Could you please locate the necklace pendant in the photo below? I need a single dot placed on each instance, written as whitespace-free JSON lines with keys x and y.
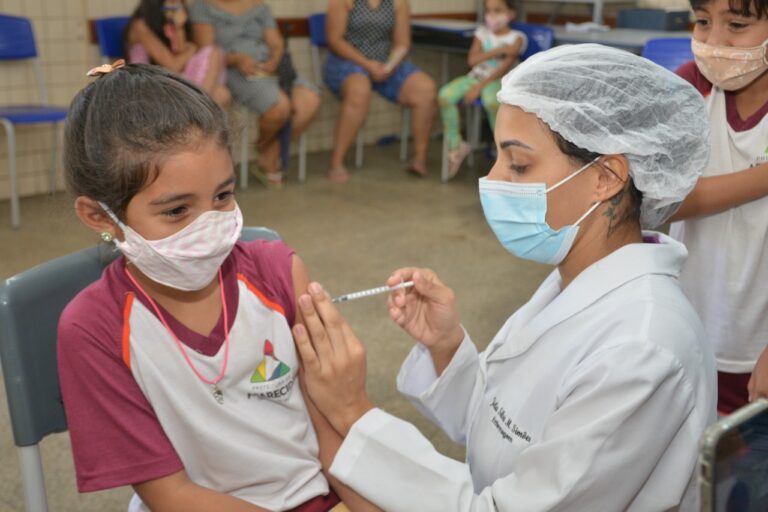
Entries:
{"x":217,"y":394}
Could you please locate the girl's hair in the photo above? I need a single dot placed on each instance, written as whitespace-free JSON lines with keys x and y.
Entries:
{"x":151,"y":11}
{"x":582,"y":156}
{"x":757,"y":8}
{"x":511,"y":4}
{"x":122,"y":125}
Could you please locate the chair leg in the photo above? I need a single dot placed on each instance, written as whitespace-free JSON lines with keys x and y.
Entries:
{"x":470,"y":134}
{"x":11,"y":136}
{"x":54,"y":148}
{"x":31,"y":466}
{"x":303,"y":158}
{"x":405,"y":134}
{"x":359,"y":148}
{"x":444,"y":165}
{"x":477,"y":128}
{"x":244,"y":141}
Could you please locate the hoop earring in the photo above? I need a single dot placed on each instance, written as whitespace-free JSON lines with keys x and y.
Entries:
{"x":106,"y":236}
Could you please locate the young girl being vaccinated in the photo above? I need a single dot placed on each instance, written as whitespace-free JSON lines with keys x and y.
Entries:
{"x":725,"y":218}
{"x":177,"y":367}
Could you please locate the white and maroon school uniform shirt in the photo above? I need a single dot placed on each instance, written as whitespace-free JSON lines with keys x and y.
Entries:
{"x":136,"y":411}
{"x":727,"y":270}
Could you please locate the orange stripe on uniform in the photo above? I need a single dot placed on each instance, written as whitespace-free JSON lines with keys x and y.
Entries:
{"x":127,"y":329}
{"x":263,"y":298}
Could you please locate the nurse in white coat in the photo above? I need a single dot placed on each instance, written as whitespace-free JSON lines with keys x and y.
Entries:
{"x":592,"y":396}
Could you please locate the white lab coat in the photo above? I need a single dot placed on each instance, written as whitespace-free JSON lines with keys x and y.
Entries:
{"x":589,"y":399}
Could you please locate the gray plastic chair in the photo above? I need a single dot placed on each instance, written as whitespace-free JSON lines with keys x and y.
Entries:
{"x":30,"y":305}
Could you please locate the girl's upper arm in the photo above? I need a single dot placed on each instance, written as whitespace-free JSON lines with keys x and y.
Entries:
{"x":140,"y":33}
{"x":474,"y":52}
{"x":402,"y":36}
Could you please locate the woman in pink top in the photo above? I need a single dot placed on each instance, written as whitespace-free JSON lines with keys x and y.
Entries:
{"x":159,"y":33}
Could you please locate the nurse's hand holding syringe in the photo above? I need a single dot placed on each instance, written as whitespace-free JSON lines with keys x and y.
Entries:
{"x":333,"y":358}
{"x":427,"y":312}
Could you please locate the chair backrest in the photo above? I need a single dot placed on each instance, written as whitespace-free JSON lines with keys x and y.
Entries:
{"x":670,"y":52}
{"x":317,"y":40}
{"x":540,"y":38}
{"x":317,"y":30}
{"x":17,"y":42}
{"x":109,"y":32}
{"x":17,"y":39}
{"x":30,"y":305}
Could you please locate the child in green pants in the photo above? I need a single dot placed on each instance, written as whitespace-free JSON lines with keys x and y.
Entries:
{"x":494,"y":52}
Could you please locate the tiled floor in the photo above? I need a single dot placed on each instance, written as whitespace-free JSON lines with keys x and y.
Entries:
{"x":351,"y":237}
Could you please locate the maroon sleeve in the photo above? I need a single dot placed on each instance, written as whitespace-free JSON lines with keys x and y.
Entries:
{"x":269,"y":266}
{"x":690,"y":73}
{"x":116,"y":438}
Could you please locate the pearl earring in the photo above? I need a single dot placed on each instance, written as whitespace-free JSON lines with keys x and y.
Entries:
{"x":106,"y":236}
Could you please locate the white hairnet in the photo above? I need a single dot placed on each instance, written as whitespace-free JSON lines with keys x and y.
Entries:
{"x":609,"y":101}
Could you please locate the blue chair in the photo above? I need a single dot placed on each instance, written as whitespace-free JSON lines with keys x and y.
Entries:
{"x":30,"y":305}
{"x":17,"y":42}
{"x":669,"y":52}
{"x":109,"y":32}
{"x":318,"y":41}
{"x":540,"y":38}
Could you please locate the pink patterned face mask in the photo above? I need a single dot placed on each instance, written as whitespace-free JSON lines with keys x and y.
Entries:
{"x":729,"y":67}
{"x":188,"y":259}
{"x":496,"y":21}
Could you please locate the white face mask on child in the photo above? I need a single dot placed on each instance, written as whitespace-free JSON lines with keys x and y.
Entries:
{"x":188,"y":259}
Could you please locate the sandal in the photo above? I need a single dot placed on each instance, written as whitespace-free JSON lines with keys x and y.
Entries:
{"x":456,"y":158}
{"x":272,"y":180}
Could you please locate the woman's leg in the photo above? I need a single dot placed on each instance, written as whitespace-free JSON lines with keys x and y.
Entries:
{"x":355,"y":100}
{"x":490,"y":103}
{"x":270,"y":123}
{"x":449,"y":98}
{"x":306,"y":104}
{"x":419,"y":93}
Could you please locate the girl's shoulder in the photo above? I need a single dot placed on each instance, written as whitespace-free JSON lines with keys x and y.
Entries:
{"x":267,"y":266}
{"x":691,"y":74}
{"x":96,"y":313}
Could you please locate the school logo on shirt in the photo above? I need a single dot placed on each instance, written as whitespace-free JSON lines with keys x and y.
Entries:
{"x":272,"y":379}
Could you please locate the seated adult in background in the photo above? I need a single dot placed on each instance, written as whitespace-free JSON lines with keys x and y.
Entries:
{"x":369,"y":42}
{"x":254,"y":48}
{"x":159,"y":33}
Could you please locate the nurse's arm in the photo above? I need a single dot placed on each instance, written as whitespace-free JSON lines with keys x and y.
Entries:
{"x":715,"y":194}
{"x":327,"y":439}
{"x":617,"y":416}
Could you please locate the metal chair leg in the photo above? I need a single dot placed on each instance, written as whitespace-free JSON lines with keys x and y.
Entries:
{"x":303,"y":158}
{"x":244,"y":141}
{"x":477,"y":129}
{"x":31,"y":467}
{"x":405,"y":134}
{"x":12,"y":181}
{"x":444,"y":164}
{"x":359,"y":148}
{"x":54,"y":147}
{"x":470,"y":134}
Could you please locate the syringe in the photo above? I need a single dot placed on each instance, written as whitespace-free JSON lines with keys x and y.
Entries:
{"x":372,"y":291}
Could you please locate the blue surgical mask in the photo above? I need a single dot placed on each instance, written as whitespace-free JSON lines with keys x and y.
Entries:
{"x":517,"y":214}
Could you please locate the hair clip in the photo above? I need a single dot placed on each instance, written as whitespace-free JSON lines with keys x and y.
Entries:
{"x":106,"y":68}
